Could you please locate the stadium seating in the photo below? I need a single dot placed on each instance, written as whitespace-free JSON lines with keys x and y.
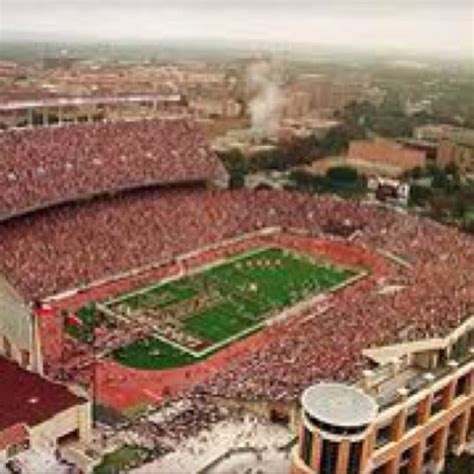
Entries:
{"x":46,"y":166}
{"x":65,"y":247}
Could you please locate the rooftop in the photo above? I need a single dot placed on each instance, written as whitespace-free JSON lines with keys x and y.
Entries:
{"x":30,"y":399}
{"x":339,"y":405}
{"x":78,"y":101}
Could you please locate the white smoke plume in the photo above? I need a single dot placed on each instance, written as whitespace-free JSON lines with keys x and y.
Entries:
{"x":266,"y":105}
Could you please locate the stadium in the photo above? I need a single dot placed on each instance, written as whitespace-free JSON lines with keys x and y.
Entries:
{"x":148,"y":280}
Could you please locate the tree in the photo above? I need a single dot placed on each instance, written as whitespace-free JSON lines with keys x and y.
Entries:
{"x":452,"y":169}
{"x":440,"y":178}
{"x":415,"y":173}
{"x":460,"y":207}
{"x":303,"y":180}
{"x":420,"y":195}
{"x":342,"y":174}
{"x":335,"y":142}
{"x":235,"y":165}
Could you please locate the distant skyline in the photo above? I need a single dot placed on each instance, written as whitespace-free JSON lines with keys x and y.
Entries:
{"x":443,"y":27}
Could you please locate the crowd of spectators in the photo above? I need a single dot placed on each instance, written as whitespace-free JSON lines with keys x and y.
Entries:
{"x":70,"y":246}
{"x":44,"y":166}
{"x":65,"y":247}
{"x":62,"y":248}
{"x":435,"y":294}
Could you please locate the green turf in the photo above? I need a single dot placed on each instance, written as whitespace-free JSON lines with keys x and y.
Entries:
{"x":152,"y":353}
{"x":122,"y":460}
{"x":218,"y":322}
{"x":226,"y":301}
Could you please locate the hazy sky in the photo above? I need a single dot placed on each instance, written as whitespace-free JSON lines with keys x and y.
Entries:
{"x":443,"y":26}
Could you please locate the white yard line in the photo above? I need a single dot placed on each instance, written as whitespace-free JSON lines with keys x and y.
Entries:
{"x":191,"y":272}
{"x":281,"y":313}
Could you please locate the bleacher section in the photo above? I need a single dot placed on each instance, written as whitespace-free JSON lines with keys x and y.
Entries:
{"x":47,"y":166}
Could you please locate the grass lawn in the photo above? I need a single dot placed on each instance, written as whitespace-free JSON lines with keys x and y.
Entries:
{"x":225,"y":301}
{"x":121,"y":460}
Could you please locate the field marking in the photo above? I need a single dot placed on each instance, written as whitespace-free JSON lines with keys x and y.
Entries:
{"x":232,"y":338}
{"x":192,"y":272}
{"x":176,"y":345}
{"x":214,"y":347}
{"x":279,"y":311}
{"x":273,"y":315}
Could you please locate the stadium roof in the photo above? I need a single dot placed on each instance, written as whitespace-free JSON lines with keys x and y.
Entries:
{"x":27,"y":398}
{"x":11,"y":105}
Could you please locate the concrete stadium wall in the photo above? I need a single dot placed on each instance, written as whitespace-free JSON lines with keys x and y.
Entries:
{"x":18,"y":334}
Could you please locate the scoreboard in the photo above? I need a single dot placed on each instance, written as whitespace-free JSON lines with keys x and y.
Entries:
{"x":389,"y":190}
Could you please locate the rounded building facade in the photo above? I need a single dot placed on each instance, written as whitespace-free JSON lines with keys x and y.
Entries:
{"x":336,"y":428}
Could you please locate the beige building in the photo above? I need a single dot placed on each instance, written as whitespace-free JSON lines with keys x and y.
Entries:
{"x":458,"y":149}
{"x":454,"y":145}
{"x":404,"y":416}
{"x":42,"y":416}
{"x":321,"y":94}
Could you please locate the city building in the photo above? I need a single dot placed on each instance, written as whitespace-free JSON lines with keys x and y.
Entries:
{"x":454,"y":145}
{"x":433,"y":133}
{"x":387,"y":153}
{"x":37,"y":415}
{"x":322,"y":94}
{"x":458,"y":149}
{"x":429,"y":147}
{"x":413,"y":407}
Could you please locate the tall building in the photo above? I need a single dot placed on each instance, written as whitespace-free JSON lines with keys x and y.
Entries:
{"x":322,"y":94}
{"x":403,"y":417}
{"x":335,"y":431}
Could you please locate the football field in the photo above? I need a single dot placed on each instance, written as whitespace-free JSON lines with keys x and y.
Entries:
{"x":201,"y":312}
